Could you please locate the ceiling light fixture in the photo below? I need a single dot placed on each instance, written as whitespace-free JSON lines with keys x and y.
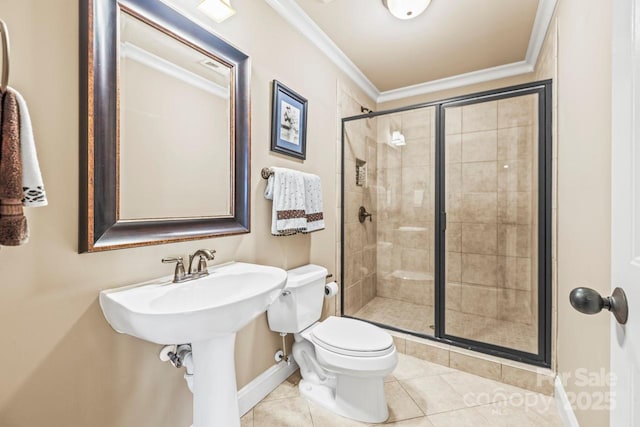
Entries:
{"x":218,"y":10}
{"x":406,"y":9}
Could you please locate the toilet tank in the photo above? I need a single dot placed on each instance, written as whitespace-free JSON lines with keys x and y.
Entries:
{"x":300,"y":303}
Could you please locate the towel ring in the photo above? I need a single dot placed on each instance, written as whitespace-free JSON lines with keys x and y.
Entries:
{"x":4,"y":32}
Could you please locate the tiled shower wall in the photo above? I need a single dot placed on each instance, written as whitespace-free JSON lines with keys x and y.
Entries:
{"x":360,"y":239}
{"x":491,"y":171}
{"x":405,"y":214}
{"x":491,"y":203}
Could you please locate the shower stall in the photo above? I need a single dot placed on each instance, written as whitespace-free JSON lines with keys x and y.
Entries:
{"x":446,"y":230}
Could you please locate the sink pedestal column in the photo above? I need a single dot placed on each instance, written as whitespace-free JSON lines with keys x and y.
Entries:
{"x":215,"y":395}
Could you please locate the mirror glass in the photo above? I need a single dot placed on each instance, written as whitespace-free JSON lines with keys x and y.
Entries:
{"x":175,"y":142}
{"x":165,"y":128}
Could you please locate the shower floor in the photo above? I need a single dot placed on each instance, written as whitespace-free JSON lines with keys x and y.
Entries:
{"x":420,"y":318}
{"x":399,"y":314}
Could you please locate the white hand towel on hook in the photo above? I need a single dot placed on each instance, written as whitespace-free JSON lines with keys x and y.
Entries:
{"x":34,"y":194}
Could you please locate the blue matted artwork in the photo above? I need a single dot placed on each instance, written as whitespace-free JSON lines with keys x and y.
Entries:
{"x":289,"y":122}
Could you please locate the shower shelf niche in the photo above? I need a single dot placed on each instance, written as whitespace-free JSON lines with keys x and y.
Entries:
{"x":408,"y":228}
{"x":411,"y":275}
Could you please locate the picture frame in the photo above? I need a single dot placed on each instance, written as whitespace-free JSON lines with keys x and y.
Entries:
{"x":288,"y":122}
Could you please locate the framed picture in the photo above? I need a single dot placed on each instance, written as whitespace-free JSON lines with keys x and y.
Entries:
{"x":288,"y":122}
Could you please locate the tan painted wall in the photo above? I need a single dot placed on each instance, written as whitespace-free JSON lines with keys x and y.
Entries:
{"x":63,"y":366}
{"x":584,"y":187}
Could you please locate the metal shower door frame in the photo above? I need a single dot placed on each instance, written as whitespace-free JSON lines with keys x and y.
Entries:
{"x":544,"y":91}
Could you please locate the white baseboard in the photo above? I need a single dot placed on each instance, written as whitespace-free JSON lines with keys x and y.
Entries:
{"x":564,"y":407}
{"x":263,"y":384}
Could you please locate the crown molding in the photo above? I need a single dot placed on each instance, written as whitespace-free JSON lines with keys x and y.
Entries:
{"x":540,"y":28}
{"x":135,"y":53}
{"x":297,"y":17}
{"x":460,"y":80}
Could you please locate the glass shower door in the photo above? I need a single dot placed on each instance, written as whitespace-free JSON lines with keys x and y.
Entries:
{"x":457,"y":248}
{"x":399,"y":240}
{"x":492,"y":221}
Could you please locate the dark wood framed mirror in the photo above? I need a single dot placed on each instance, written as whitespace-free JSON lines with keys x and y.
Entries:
{"x":165,"y":128}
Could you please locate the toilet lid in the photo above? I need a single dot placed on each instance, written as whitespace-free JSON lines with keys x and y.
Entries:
{"x":351,"y":336}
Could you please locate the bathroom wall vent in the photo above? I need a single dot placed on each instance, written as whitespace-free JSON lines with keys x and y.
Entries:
{"x":214,"y":66}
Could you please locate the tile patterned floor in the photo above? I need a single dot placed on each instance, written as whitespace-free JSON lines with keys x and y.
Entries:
{"x":420,"y":318}
{"x":419,"y":394}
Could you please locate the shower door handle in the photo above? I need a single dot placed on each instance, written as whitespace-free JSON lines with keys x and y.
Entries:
{"x":444,"y":221}
{"x":589,"y":301}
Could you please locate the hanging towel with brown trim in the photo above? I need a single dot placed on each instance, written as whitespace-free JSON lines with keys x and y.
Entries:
{"x":33,"y":192}
{"x":13,"y":223}
{"x":313,"y":202}
{"x":286,"y":188}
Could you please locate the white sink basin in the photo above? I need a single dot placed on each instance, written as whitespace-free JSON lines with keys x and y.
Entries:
{"x":205,"y":312}
{"x":176,"y":313}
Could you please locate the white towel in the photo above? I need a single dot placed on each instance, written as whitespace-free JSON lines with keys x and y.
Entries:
{"x":313,"y":202}
{"x":32,"y":185}
{"x":286,"y":189}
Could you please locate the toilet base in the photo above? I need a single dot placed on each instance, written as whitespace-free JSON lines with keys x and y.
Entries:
{"x":361,"y":399}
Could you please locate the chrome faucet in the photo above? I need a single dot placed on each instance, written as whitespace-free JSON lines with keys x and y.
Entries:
{"x":180,"y":275}
{"x":204,"y":256}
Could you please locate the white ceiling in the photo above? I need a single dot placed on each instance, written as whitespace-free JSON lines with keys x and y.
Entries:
{"x":454,"y":43}
{"x":452,"y":37}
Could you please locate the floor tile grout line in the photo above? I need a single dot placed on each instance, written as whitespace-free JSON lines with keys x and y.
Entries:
{"x":462,"y":397}
{"x":309,"y":410}
{"x":505,"y":399}
{"x":273,"y":399}
{"x":464,"y":409}
{"x":412,"y":399}
{"x":400,"y":421}
{"x":535,"y":413}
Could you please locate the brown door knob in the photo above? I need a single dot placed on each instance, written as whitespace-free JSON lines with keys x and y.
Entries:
{"x":589,"y":301}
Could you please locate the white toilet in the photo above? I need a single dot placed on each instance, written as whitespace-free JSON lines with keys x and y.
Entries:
{"x":343,"y":362}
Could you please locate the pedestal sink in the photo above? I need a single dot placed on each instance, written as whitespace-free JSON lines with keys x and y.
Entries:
{"x":206,"y":312}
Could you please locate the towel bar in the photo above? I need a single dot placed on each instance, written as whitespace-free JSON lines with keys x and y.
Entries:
{"x":266,"y":173}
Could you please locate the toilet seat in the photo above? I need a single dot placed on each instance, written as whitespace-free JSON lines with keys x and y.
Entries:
{"x":350,"y":337}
